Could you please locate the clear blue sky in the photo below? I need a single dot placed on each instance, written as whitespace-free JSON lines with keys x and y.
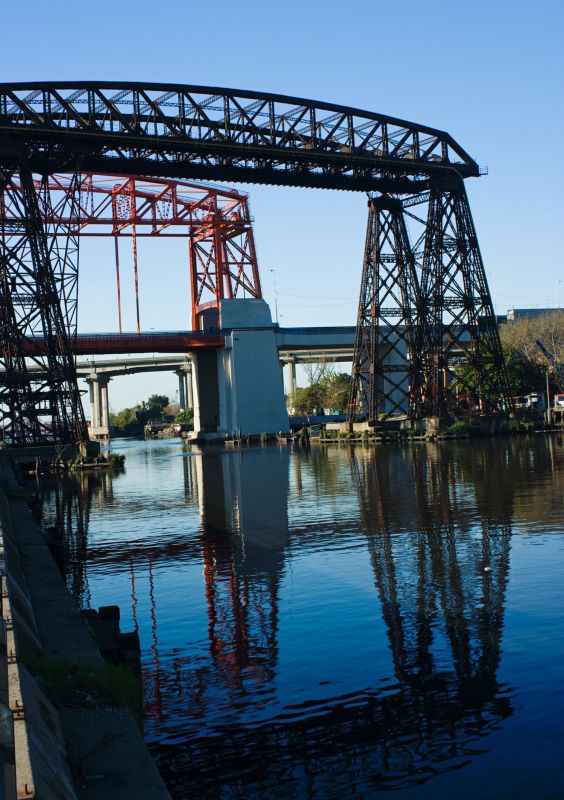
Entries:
{"x":491,"y":73}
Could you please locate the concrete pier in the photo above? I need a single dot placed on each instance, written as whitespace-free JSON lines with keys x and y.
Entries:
{"x":185,"y":389}
{"x":181,"y":388}
{"x":239,"y":389}
{"x":292,"y":384}
{"x":99,"y":406}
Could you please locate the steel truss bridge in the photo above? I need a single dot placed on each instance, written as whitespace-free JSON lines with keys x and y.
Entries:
{"x":56,"y":138}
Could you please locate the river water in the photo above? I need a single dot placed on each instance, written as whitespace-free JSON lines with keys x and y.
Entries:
{"x":337,"y":622}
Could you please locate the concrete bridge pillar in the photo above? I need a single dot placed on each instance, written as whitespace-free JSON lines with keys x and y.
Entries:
{"x":99,"y":406}
{"x":185,"y":389}
{"x":292,"y":385}
{"x":94,"y":402}
{"x":181,"y":388}
{"x":189,"y":387}
{"x":239,"y":389}
{"x":103,"y":382}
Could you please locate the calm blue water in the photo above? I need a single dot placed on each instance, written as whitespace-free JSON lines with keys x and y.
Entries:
{"x":338,"y":622}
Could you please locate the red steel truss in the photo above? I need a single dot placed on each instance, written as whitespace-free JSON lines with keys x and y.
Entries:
{"x":216,"y":222}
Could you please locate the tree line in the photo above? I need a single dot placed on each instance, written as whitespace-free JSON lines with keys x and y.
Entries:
{"x":526,"y":364}
{"x":157,"y":408}
{"x":327,"y":389}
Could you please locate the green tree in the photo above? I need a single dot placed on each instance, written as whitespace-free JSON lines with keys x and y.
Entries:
{"x":308,"y":401}
{"x":327,"y":389}
{"x":185,"y":417}
{"x":130,"y":421}
{"x":524,"y":376}
{"x":336,"y":391}
{"x":526,"y":364}
{"x":126,"y":422}
{"x":159,"y":401}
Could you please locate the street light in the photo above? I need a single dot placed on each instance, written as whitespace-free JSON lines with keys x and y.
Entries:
{"x":273,"y":270}
{"x":556,"y":292}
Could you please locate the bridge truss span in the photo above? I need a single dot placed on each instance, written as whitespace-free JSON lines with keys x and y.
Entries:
{"x":220,"y":134}
{"x":42,"y":220}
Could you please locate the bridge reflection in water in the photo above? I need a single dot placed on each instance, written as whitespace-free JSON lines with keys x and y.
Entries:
{"x":440,"y":578}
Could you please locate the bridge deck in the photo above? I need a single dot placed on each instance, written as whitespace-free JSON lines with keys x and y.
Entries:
{"x":287,"y":339}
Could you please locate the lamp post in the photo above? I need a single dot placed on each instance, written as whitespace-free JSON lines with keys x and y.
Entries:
{"x":273,"y":270}
{"x":556,"y":292}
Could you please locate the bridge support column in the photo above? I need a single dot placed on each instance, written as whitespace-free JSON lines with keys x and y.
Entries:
{"x":99,"y":407}
{"x":239,"y":389}
{"x":292,"y":385}
{"x":189,"y":388}
{"x":104,"y":404}
{"x":94,"y":397}
{"x":181,"y":388}
{"x":206,"y":396}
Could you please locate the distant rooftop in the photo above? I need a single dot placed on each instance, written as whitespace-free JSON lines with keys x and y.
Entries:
{"x":517,"y":313}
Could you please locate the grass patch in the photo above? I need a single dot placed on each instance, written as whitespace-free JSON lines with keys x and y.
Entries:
{"x":460,"y":428}
{"x":79,"y":686}
{"x":15,"y":494}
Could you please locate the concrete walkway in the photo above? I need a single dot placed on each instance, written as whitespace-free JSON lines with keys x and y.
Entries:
{"x":104,"y":745}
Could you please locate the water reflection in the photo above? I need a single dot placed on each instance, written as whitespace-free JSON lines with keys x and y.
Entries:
{"x":435,"y":523}
{"x":442,"y":591}
{"x":64,"y":504}
{"x":244,"y":532}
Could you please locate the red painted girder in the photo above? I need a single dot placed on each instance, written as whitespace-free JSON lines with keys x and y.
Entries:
{"x":117,"y":344}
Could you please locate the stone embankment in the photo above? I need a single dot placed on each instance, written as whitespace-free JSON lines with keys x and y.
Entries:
{"x":161,"y":430}
{"x":73,"y":751}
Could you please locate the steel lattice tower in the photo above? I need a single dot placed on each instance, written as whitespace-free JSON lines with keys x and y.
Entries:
{"x":38,"y":281}
{"x":386,"y":372}
{"x":460,"y":346}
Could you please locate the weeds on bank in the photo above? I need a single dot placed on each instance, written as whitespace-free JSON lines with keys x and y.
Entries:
{"x":111,"y":460}
{"x":11,"y":493}
{"x":80,"y":686}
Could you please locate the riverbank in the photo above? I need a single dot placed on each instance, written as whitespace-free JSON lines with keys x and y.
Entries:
{"x":481,"y":428}
{"x":86,"y":752}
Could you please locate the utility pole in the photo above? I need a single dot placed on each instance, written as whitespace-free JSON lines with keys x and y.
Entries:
{"x":273,"y":270}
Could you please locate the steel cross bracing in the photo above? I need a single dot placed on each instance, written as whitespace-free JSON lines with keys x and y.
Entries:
{"x":427,"y":340}
{"x":36,"y":280}
{"x":217,"y":223}
{"x":461,"y":350}
{"x":386,"y":370}
{"x":220,"y":134}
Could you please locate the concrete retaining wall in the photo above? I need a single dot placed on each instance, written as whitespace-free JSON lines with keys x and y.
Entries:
{"x":40,"y":617}
{"x":40,"y":767}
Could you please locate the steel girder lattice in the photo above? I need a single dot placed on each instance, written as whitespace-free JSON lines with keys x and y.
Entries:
{"x":217,"y":223}
{"x":222,"y":134}
{"x":38,"y":280}
{"x":223,"y":261}
{"x":209,"y":132}
{"x":463,"y":362}
{"x":386,"y":371}
{"x":427,"y":340}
